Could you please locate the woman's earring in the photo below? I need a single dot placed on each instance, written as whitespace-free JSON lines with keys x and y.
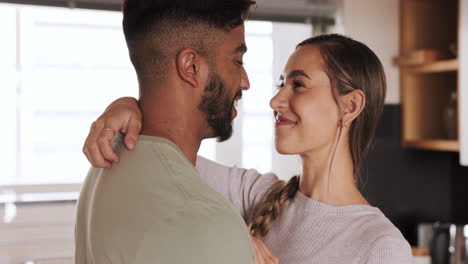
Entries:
{"x":342,"y":124}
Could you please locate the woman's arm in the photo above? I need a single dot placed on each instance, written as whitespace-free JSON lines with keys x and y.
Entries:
{"x":243,"y":188}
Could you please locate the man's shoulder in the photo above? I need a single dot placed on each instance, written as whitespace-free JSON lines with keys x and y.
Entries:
{"x":144,"y":174}
{"x":153,"y":153}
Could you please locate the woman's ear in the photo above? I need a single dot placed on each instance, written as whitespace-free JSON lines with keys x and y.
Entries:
{"x":353,"y":104}
{"x":188,"y":66}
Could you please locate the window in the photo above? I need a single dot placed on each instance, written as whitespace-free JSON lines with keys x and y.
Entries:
{"x":8,"y":82}
{"x":61,"y":67}
{"x":65,"y":66}
{"x":257,"y":122}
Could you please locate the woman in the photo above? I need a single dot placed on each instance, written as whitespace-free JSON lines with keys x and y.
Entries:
{"x":326,"y":110}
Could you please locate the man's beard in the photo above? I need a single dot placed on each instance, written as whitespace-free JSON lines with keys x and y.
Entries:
{"x":217,"y":104}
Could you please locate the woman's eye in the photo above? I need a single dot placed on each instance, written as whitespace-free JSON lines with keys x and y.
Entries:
{"x":241,"y":63}
{"x":280,"y":84}
{"x":297,"y":84}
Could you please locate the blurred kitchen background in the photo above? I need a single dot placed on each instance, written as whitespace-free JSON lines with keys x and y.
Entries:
{"x":63,"y":61}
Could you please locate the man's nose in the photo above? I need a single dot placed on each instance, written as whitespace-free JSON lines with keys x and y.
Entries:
{"x":245,"y":83}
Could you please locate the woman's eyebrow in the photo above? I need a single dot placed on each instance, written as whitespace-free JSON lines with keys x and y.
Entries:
{"x":296,"y":73}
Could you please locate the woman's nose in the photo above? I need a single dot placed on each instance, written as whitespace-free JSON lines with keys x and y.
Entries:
{"x":278,"y":101}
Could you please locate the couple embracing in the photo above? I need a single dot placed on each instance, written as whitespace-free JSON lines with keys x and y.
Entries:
{"x":151,"y":199}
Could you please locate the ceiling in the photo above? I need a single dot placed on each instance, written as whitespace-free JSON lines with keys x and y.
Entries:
{"x":274,"y":10}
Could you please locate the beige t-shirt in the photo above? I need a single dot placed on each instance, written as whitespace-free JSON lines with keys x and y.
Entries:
{"x":153,"y":207}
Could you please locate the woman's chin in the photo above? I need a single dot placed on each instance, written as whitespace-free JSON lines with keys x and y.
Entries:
{"x":285,"y":150}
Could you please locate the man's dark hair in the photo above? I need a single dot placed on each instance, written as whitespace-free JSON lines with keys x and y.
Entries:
{"x":156,"y":30}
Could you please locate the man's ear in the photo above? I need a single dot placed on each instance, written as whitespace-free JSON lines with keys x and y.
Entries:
{"x":188,"y":66}
{"x":353,"y":104}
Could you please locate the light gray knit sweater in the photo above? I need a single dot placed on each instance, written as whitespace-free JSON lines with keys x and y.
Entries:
{"x":308,"y":231}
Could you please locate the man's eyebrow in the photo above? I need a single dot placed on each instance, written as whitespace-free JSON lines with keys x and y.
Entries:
{"x":296,"y":73}
{"x":241,"y":49}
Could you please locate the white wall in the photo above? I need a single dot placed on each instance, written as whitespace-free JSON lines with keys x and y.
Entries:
{"x":376,"y":24}
{"x":463,"y":82}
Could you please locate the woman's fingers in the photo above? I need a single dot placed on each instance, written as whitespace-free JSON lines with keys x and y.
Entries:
{"x":91,"y":150}
{"x":98,"y":144}
{"x":132,"y":131}
{"x":91,"y":147}
{"x":97,"y":159}
{"x":105,"y":145}
{"x":121,"y":115}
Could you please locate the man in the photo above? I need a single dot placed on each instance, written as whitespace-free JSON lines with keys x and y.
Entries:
{"x":152,"y":207}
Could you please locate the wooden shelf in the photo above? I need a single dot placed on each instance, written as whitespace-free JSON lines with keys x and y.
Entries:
{"x":429,"y":72}
{"x":434,"y":67}
{"x":434,"y":144}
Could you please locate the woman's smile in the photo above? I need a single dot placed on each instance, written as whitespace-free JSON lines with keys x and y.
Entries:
{"x":280,"y":120}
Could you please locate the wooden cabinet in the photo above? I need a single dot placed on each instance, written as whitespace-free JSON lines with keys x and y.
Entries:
{"x":430,"y":90}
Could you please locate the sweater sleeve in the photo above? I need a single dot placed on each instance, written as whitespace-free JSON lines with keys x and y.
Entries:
{"x":390,"y":250}
{"x":243,"y":188}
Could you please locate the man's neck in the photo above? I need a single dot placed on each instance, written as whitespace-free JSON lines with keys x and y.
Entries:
{"x":188,"y":147}
{"x":164,"y":118}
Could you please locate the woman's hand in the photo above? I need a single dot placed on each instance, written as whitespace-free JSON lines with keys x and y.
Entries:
{"x":122,"y":115}
{"x":263,"y":254}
